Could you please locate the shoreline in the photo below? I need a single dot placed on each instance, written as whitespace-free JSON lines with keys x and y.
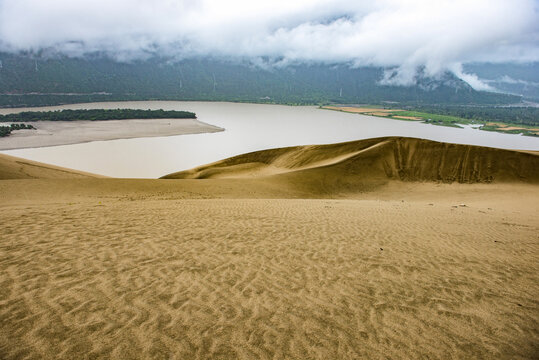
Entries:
{"x":494,"y":126}
{"x":99,"y":105}
{"x":57,"y":133}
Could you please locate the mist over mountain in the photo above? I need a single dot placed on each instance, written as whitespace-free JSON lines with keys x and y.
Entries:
{"x":511,"y":78}
{"x":400,"y":36}
{"x":45,"y":80}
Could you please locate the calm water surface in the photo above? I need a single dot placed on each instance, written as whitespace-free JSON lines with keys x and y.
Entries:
{"x":249,"y":127}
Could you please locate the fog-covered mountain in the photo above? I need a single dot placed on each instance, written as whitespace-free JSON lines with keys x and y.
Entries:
{"x":43,"y":80}
{"x":513,"y":78}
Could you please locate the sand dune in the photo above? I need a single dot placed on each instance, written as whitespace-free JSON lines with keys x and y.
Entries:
{"x":12,"y":167}
{"x":391,"y":158}
{"x":359,"y":166}
{"x":433,"y":254}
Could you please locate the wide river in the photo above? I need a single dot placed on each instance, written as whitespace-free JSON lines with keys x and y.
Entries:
{"x":249,"y":127}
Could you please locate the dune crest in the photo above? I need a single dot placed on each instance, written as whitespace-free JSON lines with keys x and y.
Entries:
{"x":379,"y":159}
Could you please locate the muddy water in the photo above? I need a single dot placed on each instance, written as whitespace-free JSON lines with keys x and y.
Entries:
{"x":249,"y":127}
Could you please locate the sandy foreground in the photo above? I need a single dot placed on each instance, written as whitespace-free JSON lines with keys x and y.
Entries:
{"x":52,"y":133}
{"x":255,"y":267}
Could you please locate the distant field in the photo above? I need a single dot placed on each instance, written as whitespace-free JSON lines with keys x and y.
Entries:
{"x":438,"y":119}
{"x":406,"y":117}
{"x":400,"y":114}
{"x":361,"y":110}
{"x":511,"y":129}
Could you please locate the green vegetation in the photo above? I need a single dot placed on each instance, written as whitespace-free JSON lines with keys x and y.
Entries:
{"x":451,"y":115}
{"x":435,"y":119}
{"x":509,"y":120}
{"x":522,"y":129}
{"x":519,"y":120}
{"x":509,"y":115}
{"x":96,"y":114}
{"x":522,"y":120}
{"x":6,"y":130}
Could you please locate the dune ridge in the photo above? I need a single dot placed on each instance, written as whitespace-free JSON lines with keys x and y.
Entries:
{"x":388,"y":158}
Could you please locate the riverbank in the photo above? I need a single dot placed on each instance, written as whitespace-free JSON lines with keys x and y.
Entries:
{"x":440,"y":120}
{"x":249,"y":127}
{"x":53,"y":133}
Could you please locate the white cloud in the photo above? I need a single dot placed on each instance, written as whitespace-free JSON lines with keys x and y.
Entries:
{"x":472,"y":79}
{"x":509,"y":80}
{"x":433,"y":34}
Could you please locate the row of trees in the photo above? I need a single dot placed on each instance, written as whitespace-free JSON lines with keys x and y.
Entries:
{"x":96,"y":114}
{"x":6,"y":130}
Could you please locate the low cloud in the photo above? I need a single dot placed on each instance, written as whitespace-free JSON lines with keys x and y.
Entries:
{"x":472,"y":79}
{"x":398,"y":34}
{"x":509,"y":80}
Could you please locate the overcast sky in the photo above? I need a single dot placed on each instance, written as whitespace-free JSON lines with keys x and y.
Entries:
{"x":438,"y":34}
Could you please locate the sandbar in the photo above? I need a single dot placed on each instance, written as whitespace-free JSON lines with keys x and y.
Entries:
{"x":53,"y":133}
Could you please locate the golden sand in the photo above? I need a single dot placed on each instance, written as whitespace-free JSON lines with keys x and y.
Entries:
{"x":277,"y":255}
{"x":372,"y":111}
{"x":361,"y":110}
{"x":378,"y":113}
{"x":407,"y":117}
{"x":509,"y":128}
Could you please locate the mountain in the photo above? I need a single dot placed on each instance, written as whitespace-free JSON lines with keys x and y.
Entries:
{"x":520,"y":79}
{"x":45,"y":80}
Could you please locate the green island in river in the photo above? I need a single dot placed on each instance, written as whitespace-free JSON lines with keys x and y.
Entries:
{"x":65,"y":127}
{"x":96,"y":115}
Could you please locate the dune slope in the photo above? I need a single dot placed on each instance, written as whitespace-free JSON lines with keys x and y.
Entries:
{"x":390,"y":158}
{"x":12,"y":167}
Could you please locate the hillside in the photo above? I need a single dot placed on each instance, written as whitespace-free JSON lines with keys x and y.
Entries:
{"x":512,"y":78}
{"x":48,"y":79}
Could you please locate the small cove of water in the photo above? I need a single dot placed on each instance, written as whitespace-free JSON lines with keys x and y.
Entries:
{"x":249,"y":127}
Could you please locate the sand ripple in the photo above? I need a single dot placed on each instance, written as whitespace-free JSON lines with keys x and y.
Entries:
{"x":268,"y":279}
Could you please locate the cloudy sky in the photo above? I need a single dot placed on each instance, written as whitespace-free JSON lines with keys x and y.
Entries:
{"x":405,"y":34}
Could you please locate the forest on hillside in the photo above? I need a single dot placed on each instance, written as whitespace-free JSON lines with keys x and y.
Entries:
{"x":34,"y":80}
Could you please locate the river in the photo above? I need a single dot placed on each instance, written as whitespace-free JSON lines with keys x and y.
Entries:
{"x":248,"y":127}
